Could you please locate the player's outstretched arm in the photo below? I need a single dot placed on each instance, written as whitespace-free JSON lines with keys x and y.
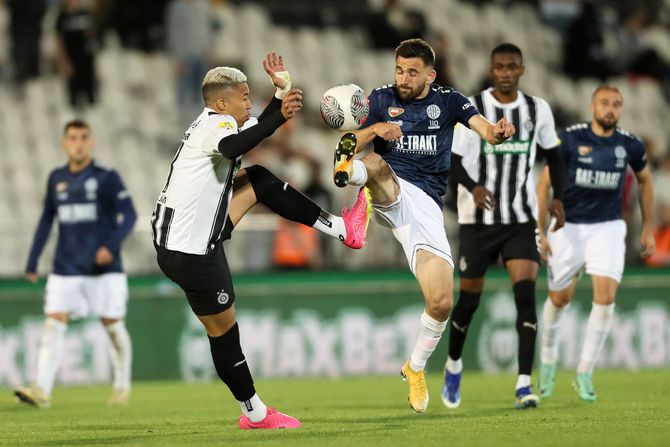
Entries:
{"x":273,"y":64}
{"x":645,"y":186}
{"x":492,"y":133}
{"x":386,"y":131}
{"x":235,"y":145}
{"x":542,"y":191}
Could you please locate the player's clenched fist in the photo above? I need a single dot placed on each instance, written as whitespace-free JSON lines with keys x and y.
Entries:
{"x":387,"y":131}
{"x":292,"y":103}
{"x":504,"y":129}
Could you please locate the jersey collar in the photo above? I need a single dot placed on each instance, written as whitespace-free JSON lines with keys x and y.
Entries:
{"x":511,"y":105}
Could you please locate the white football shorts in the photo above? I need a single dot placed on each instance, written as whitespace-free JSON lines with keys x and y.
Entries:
{"x":417,"y":223}
{"x":103,"y":296}
{"x":599,"y":248}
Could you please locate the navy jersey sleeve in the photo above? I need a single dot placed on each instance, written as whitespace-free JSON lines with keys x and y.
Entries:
{"x":462,"y":108}
{"x":564,"y":145}
{"x":43,"y":228}
{"x":123,"y":209}
{"x":637,"y":157}
{"x":375,"y":114}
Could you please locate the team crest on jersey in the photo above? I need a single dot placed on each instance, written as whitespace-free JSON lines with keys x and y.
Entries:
{"x":433,"y":111}
{"x":91,"y":187}
{"x":395,"y":111}
{"x":61,"y":187}
{"x":222,"y":298}
{"x":528,"y":125}
{"x":620,"y":154}
{"x":584,"y":150}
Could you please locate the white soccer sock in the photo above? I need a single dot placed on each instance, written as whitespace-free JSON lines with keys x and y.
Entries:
{"x":551,"y":326}
{"x":121,"y":352}
{"x":429,"y":336}
{"x":522,"y":381}
{"x":597,"y":328}
{"x":50,"y":354}
{"x":359,"y":174}
{"x":331,"y":225}
{"x":254,"y":409}
{"x":454,"y":366}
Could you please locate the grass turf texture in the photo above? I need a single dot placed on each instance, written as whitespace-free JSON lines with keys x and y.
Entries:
{"x":632,"y":409}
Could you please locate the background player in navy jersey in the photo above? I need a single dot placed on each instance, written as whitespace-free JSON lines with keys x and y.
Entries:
{"x":411,"y":124}
{"x":596,"y":155}
{"x":95,"y":214}
{"x":509,"y":230}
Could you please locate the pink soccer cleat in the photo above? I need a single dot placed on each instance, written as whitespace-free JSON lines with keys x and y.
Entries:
{"x":356,"y":221}
{"x":273,"y":420}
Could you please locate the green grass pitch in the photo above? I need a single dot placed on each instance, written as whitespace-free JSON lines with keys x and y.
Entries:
{"x":632,"y":410}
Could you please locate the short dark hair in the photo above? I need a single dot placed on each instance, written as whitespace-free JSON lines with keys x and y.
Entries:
{"x":508,"y":48}
{"x":609,"y":87}
{"x":416,"y":48}
{"x":76,"y":124}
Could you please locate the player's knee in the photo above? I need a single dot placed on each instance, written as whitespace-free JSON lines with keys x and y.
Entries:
{"x":262,"y":181}
{"x":466,"y":307}
{"x":560,"y":299}
{"x":376,"y":166}
{"x":440,"y":307}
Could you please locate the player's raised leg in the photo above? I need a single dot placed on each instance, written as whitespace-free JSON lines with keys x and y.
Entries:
{"x":256,"y":184}
{"x":597,"y":329}
{"x":435,"y":276}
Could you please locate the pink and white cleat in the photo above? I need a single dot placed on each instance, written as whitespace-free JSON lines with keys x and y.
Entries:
{"x":356,"y":221}
{"x":273,"y":420}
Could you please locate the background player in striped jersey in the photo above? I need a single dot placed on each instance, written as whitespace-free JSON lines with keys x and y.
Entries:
{"x":205,"y":196}
{"x":95,"y":214}
{"x":411,"y":124}
{"x":507,"y":230}
{"x":596,"y":154}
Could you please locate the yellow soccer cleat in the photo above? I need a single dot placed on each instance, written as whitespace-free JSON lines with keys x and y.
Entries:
{"x":344,"y":159}
{"x":418,"y":393}
{"x":32,"y":396}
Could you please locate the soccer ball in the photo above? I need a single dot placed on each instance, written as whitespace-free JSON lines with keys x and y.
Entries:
{"x":344,"y":107}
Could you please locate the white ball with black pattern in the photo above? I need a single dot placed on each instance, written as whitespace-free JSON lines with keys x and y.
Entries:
{"x":344,"y":107}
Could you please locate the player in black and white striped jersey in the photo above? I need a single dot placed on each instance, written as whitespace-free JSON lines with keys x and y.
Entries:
{"x":503,"y":175}
{"x":205,"y":196}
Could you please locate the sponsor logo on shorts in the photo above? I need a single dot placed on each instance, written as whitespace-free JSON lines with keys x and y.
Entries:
{"x":462,"y":264}
{"x":223,"y":297}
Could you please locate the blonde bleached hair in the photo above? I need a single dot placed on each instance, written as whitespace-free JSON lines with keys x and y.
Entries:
{"x":220,"y":78}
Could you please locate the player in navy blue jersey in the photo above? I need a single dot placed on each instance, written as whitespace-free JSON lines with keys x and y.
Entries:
{"x":411,"y":125}
{"x":596,"y":154}
{"x":95,"y":214}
